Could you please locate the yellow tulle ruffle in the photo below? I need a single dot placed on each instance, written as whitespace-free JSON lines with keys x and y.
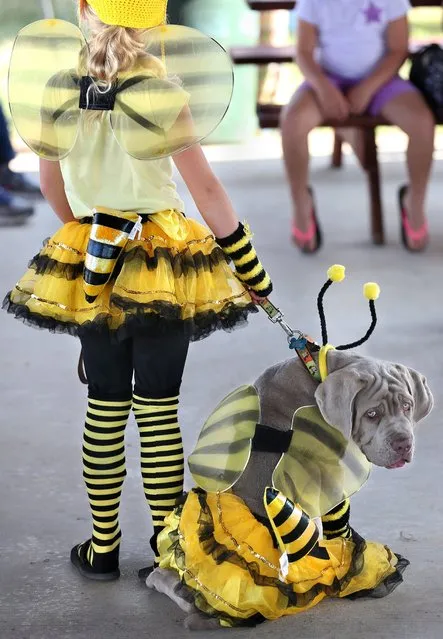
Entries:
{"x":227,"y":559}
{"x":176,"y":273}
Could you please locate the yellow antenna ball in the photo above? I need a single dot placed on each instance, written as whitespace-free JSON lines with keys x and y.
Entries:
{"x":337,"y":273}
{"x":371,"y":291}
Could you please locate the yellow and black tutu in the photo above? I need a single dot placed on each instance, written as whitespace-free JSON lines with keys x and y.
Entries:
{"x":228,"y":562}
{"x":172,"y":274}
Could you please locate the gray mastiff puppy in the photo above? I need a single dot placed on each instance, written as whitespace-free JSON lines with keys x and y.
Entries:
{"x":375,"y":403}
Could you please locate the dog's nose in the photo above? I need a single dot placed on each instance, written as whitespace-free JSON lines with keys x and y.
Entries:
{"x":402,"y":446}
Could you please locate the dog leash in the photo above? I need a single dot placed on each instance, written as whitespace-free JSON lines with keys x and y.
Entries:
{"x":298,"y":341}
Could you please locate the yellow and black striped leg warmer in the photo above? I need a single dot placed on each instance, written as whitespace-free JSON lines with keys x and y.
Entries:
{"x":104,"y":472}
{"x":336,"y":522}
{"x":162,"y":460}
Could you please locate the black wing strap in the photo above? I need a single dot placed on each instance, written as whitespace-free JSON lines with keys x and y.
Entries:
{"x":96,"y":100}
{"x":271,"y":440}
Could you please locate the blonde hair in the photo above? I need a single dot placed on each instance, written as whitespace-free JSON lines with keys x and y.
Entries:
{"x":113,"y":50}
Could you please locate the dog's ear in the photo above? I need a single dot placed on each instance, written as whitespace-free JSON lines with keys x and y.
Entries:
{"x":423,"y":399}
{"x":335,"y":398}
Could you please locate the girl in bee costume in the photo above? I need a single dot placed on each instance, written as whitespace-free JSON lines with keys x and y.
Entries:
{"x":240,"y":567}
{"x":128,"y":273}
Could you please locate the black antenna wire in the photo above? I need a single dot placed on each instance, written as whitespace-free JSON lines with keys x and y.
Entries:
{"x":364,"y":339}
{"x":321,"y":311}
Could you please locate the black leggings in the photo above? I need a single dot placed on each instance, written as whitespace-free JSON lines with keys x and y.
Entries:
{"x":156,"y":362}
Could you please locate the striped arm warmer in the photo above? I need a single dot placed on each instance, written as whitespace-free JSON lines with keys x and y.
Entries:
{"x":249,"y":269}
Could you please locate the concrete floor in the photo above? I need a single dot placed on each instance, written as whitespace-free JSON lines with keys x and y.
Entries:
{"x":43,"y":509}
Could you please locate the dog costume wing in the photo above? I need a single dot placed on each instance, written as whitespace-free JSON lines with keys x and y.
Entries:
{"x":224,"y":445}
{"x":321,"y":468}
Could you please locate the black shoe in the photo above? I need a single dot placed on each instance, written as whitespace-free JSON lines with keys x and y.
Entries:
{"x":105,"y":566}
{"x":13,"y":210}
{"x":17,"y":182}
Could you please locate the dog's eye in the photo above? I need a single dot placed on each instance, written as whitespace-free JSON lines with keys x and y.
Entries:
{"x":406,"y":407}
{"x":371,"y":414}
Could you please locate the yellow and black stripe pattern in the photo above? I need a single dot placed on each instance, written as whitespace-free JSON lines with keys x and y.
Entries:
{"x":110,"y":232}
{"x":162,"y":459}
{"x":248,"y":267}
{"x":321,"y":468}
{"x":296,"y":533}
{"x":104,"y":470}
{"x":43,"y":86}
{"x":224,"y":445}
{"x":175,"y":97}
{"x":336,"y":522}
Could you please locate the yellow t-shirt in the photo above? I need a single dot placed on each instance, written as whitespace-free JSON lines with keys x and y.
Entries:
{"x":98,"y":172}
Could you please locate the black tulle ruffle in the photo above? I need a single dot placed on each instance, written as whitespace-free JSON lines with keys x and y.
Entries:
{"x":157,"y":317}
{"x":45,"y":265}
{"x":181,"y":263}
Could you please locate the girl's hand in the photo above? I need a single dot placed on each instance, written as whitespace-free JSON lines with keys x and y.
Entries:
{"x":255,"y":298}
{"x":359,"y":98}
{"x":333,"y":103}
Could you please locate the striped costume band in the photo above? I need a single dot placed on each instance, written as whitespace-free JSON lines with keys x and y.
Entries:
{"x":296,"y":533}
{"x":336,"y":521}
{"x":110,"y":232}
{"x":249,"y":269}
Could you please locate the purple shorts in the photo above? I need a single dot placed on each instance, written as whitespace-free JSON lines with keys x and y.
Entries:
{"x":396,"y":86}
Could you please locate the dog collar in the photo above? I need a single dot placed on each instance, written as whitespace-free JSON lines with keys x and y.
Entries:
{"x":323,"y":360}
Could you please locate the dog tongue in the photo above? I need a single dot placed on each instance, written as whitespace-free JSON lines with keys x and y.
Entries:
{"x":398,"y":464}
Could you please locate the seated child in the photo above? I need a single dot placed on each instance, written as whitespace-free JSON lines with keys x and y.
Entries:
{"x":361,"y":46}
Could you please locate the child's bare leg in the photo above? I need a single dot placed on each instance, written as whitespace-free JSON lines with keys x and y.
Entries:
{"x":300,"y":117}
{"x":409,"y":112}
{"x":354,"y":137}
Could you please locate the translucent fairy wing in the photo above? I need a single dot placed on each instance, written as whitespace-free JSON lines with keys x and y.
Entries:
{"x":321,"y":467}
{"x":43,"y":86}
{"x":224,"y":446}
{"x":177,"y":98}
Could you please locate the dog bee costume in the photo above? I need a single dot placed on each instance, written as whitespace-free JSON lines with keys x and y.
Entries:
{"x":243,"y":569}
{"x":132,"y":263}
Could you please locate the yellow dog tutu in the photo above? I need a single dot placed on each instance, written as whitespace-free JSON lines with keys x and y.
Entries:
{"x":158,"y":282}
{"x":229,"y":564}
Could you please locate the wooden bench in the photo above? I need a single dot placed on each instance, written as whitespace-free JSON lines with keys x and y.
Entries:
{"x":269,"y":114}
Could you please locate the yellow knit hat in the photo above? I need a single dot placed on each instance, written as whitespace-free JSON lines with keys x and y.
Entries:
{"x":137,"y":14}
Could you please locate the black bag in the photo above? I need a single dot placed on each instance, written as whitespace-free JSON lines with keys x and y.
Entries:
{"x":427,"y":75}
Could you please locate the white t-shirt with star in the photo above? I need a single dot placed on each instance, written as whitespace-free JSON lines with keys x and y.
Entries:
{"x":352,"y":33}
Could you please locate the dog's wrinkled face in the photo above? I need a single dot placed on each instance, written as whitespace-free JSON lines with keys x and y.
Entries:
{"x":383,"y":422}
{"x":378,"y":406}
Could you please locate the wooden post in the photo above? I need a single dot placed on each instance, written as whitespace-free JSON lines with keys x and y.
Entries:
{"x":373,"y":172}
{"x":47,"y":8}
{"x":337,"y":153}
{"x":274,"y":31}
